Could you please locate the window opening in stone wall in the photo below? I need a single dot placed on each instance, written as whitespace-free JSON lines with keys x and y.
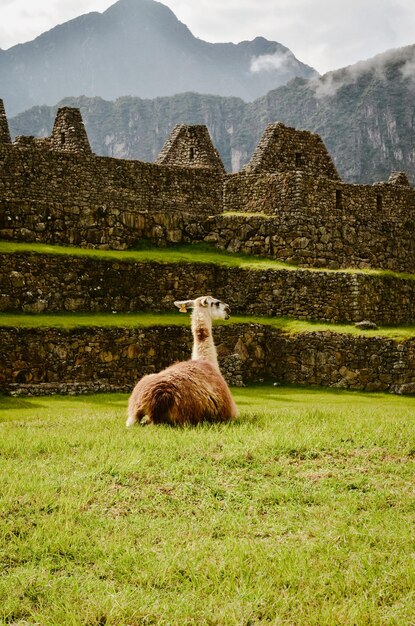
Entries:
{"x":191,"y":154}
{"x":63,"y":139}
{"x":379,"y":201}
{"x":298,"y":159}
{"x":338,"y":199}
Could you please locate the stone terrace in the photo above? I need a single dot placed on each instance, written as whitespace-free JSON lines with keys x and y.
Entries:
{"x":35,"y":283}
{"x":289,"y":204}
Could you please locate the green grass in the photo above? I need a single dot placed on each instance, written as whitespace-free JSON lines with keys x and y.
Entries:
{"x":191,"y":253}
{"x":137,"y":320}
{"x":186,"y":253}
{"x":301,"y":512}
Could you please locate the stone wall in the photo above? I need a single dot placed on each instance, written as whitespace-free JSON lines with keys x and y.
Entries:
{"x":113,"y":359}
{"x":87,"y":200}
{"x":116,"y":203}
{"x":317,"y":237}
{"x":35,"y":283}
{"x":37,"y":361}
{"x":342,"y":361}
{"x":269,"y":194}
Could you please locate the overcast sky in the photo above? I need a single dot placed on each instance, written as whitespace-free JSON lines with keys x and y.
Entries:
{"x":326,"y":34}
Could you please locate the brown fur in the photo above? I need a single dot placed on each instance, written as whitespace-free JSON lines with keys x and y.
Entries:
{"x":189,"y":392}
{"x":202,"y":333}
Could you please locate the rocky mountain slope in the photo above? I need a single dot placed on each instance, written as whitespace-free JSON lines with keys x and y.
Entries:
{"x":138,"y":48}
{"x":365,"y":114}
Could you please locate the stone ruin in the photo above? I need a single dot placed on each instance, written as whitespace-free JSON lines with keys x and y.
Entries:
{"x":283,"y":149}
{"x":289,"y":203}
{"x":68,"y":134}
{"x":190,"y":146}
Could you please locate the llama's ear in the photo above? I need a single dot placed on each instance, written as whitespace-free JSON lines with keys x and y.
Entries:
{"x":183,"y":305}
{"x":204,"y":301}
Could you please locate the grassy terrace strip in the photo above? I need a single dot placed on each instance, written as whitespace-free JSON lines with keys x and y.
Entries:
{"x":191,"y":253}
{"x":146,"y":320}
{"x":300,"y":512}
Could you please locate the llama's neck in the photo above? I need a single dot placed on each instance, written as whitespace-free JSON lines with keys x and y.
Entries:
{"x":203,"y":346}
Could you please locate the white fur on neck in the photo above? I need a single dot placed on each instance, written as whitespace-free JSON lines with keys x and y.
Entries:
{"x":203,"y":346}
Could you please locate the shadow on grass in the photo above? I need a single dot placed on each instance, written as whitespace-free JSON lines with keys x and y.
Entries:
{"x":8,"y":403}
{"x":114,"y":402}
{"x":103,"y":400}
{"x":269,"y":391}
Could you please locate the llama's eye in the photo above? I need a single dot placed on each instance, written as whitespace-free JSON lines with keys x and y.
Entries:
{"x":217,"y":303}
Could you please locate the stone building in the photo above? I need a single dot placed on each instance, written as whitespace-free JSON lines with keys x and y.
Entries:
{"x":283,"y":149}
{"x":190,"y":146}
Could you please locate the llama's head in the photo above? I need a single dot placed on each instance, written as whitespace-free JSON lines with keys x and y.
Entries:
{"x":216,"y":309}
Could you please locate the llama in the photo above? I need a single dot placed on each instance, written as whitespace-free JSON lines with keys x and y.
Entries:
{"x":188,"y":392}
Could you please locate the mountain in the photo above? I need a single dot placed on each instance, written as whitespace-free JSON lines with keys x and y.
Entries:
{"x":365,"y":113}
{"x":133,"y":128}
{"x":138,"y":48}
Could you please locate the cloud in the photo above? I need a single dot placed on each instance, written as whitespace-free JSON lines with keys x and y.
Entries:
{"x":328,"y":85}
{"x":324,"y":87}
{"x":270,"y":62}
{"x":408,"y":69}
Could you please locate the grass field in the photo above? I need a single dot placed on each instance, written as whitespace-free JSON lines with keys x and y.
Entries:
{"x":301,"y":512}
{"x":146,"y":320}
